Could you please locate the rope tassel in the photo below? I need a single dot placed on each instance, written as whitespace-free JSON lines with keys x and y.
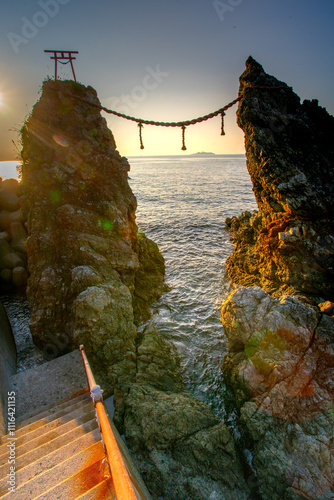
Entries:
{"x":222,"y":115}
{"x":140,"y":125}
{"x":183,"y":138}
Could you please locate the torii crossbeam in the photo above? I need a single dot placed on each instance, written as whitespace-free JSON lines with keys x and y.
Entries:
{"x":63,"y":55}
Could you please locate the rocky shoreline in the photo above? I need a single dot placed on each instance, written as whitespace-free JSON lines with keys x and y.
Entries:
{"x":279,"y":317}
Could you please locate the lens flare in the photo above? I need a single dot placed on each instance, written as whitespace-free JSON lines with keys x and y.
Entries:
{"x":62,"y":141}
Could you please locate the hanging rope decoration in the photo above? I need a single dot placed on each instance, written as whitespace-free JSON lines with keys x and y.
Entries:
{"x":183,"y":141}
{"x":183,"y":124}
{"x":140,"y":125}
{"x":222,"y":129}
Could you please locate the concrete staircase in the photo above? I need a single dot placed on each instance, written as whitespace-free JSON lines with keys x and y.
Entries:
{"x":50,"y":444}
{"x":58,"y":454}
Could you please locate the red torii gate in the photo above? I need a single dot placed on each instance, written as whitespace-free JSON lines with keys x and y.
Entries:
{"x":63,"y":55}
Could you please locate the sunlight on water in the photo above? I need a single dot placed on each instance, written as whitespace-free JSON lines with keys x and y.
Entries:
{"x":182,"y":206}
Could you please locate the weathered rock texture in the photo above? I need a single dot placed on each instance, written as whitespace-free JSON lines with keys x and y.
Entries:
{"x":85,"y":257}
{"x":288,"y":245}
{"x":13,"y":237}
{"x":280,"y":366}
{"x":183,"y":450}
{"x":281,"y":346}
{"x":92,"y":279}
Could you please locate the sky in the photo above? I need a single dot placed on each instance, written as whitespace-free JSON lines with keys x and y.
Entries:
{"x":165,"y":60}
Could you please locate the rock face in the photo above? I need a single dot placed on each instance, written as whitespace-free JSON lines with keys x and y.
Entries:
{"x":92,"y":280}
{"x":288,"y":245}
{"x":86,"y":259}
{"x":280,"y":356}
{"x":280,"y":366}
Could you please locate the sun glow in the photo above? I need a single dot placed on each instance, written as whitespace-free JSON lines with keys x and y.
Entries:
{"x":1,"y":100}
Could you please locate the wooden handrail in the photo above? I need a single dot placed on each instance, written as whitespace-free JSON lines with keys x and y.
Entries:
{"x":122,"y":483}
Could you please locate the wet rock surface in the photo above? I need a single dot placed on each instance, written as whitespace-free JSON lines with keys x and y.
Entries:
{"x":280,"y":356}
{"x":182,"y":449}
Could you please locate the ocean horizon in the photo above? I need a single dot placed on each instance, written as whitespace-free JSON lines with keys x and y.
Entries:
{"x":8,"y":169}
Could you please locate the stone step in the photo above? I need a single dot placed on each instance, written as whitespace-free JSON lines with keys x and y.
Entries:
{"x":47,"y":437}
{"x":86,"y":465}
{"x":49,"y":409}
{"x":48,"y":383}
{"x":45,"y":463}
{"x":49,"y":415}
{"x":77,"y":484}
{"x":56,"y":423}
{"x":45,"y":449}
{"x":102,"y":491}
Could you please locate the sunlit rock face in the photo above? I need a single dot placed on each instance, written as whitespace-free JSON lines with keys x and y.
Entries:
{"x":84,"y":251}
{"x":280,"y":366}
{"x":288,"y":245}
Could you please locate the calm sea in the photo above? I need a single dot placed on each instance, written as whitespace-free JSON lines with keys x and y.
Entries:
{"x":182,"y":205}
{"x":183,"y":202}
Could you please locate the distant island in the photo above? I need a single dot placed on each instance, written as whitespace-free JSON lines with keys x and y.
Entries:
{"x":203,"y":153}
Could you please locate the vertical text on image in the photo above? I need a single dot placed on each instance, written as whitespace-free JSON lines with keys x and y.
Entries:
{"x":11,"y":445}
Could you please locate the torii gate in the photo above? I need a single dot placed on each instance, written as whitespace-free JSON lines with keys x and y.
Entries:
{"x":63,"y":55}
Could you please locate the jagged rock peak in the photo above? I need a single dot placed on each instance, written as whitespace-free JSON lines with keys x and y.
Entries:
{"x":288,"y":245}
{"x":289,"y":146}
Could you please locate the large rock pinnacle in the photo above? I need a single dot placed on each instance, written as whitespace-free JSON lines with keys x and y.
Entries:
{"x":92,"y":276}
{"x":280,"y":356}
{"x":289,"y":244}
